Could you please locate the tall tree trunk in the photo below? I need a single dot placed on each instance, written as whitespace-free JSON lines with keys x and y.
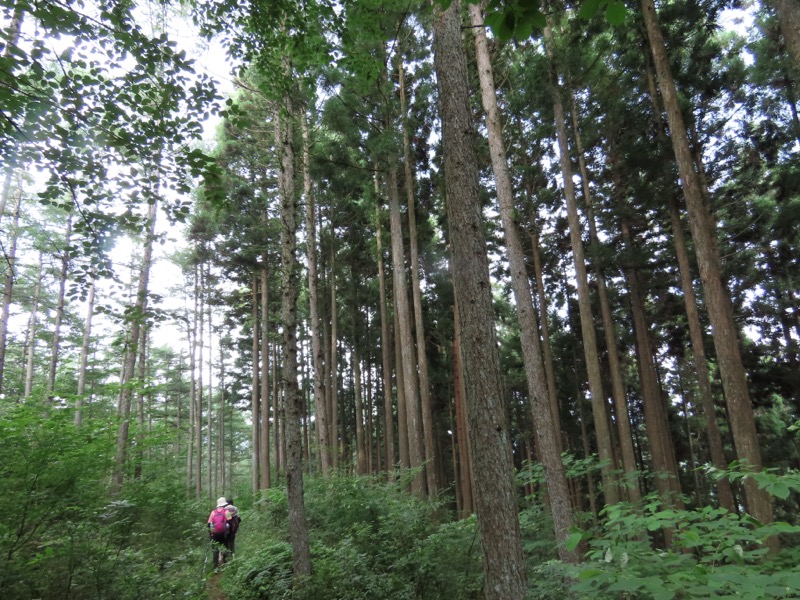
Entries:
{"x":298,"y":526}
{"x":547,"y":436}
{"x":495,"y":494}
{"x":317,"y":353}
{"x":212,"y":481}
{"x":255,"y":410}
{"x":464,"y":460}
{"x":588,"y":334}
{"x":407,"y":356}
{"x":131,"y":350}
{"x":386,"y":344}
{"x":707,"y":404}
{"x":623,"y":422}
{"x":720,"y":310}
{"x":402,"y":419}
{"x":11,"y":37}
{"x":140,"y":408}
{"x":198,"y":351}
{"x":84,"y":360}
{"x":334,"y":367}
{"x":662,"y":452}
{"x":8,"y":283}
{"x":361,"y":447}
{"x":223,"y":471}
{"x":547,"y":350}
{"x":278,"y":412}
{"x":55,"y":344}
{"x":30,"y":341}
{"x":264,"y":425}
{"x":789,"y":17}
{"x":190,"y":474}
{"x":426,"y":410}
{"x":715,"y":446}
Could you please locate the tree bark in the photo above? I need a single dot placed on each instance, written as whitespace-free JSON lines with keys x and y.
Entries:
{"x":789,"y":18}
{"x":317,"y":353}
{"x":32,"y":325}
{"x":715,"y":446}
{"x":428,"y":425}
{"x":495,"y":494}
{"x":298,"y":526}
{"x":662,"y":452}
{"x":588,"y":334}
{"x":197,"y":353}
{"x":265,"y":475}
{"x":407,"y":357}
{"x":402,"y":420}
{"x":386,"y":344}
{"x":129,"y":364}
{"x":55,"y":343}
{"x":255,"y":409}
{"x":547,"y":436}
{"x":720,"y":310}
{"x":628,"y":455}
{"x":84,"y":360}
{"x":464,"y":460}
{"x":335,"y":428}
{"x":8,"y":283}
{"x":547,"y":350}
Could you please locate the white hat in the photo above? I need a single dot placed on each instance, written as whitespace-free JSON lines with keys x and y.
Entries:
{"x":221,"y":501}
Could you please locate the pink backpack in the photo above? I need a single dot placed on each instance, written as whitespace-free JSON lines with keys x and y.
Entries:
{"x":219,"y":521}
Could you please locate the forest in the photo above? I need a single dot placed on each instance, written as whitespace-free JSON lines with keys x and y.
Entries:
{"x":455,"y":299}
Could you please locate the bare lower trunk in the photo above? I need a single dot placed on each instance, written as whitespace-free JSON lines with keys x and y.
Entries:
{"x":547,"y":350}
{"x":720,"y":311}
{"x":495,"y":494}
{"x":588,"y":334}
{"x":55,"y":344}
{"x":131,"y":351}
{"x":419,"y":324}
{"x":623,"y":422}
{"x":547,"y":436}
{"x":84,"y":360}
{"x":33,"y":322}
{"x":264,"y":410}
{"x":298,"y":526}
{"x":361,"y":447}
{"x":8,"y":284}
{"x":662,"y":453}
{"x":464,"y":461}
{"x":198,"y":350}
{"x":407,"y":357}
{"x":386,"y":344}
{"x":716,"y":449}
{"x":313,"y":302}
{"x":402,"y":420}
{"x":255,"y":409}
{"x":789,"y":17}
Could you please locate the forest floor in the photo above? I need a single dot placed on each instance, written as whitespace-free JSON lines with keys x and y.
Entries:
{"x":214,"y":589}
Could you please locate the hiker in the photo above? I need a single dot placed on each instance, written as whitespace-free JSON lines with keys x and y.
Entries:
{"x":233,"y":520}
{"x":219,"y":531}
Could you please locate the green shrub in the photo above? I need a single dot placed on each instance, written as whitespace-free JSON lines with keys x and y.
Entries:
{"x":714,"y":553}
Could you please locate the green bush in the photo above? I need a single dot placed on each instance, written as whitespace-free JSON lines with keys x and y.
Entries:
{"x":369,"y":539}
{"x":64,"y":538}
{"x":714,"y":553}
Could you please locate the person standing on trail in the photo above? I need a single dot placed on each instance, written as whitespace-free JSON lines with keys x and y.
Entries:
{"x":219,"y":528}
{"x":233,"y":522}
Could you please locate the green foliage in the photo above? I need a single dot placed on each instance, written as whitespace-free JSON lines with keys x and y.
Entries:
{"x":369,"y":540}
{"x":713,"y":553}
{"x":62,"y":537}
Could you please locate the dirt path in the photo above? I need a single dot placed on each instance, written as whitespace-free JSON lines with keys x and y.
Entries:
{"x":214,"y":589}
